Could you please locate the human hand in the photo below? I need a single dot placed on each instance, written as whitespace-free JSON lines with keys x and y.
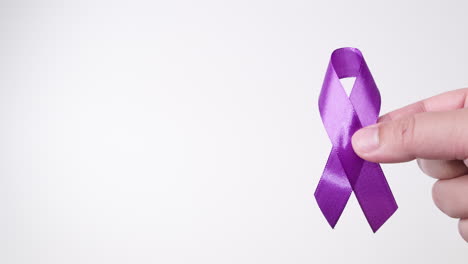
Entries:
{"x":435,"y":132}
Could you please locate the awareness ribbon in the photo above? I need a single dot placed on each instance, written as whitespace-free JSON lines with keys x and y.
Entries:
{"x":345,"y":171}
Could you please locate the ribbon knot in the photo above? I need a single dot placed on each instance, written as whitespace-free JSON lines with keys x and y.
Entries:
{"x":345,"y":171}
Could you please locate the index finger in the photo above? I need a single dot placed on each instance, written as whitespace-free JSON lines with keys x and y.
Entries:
{"x":452,"y":100}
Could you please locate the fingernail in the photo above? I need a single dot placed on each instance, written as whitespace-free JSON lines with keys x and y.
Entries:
{"x":367,"y":139}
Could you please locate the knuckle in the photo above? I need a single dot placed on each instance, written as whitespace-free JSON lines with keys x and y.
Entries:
{"x":405,"y":132}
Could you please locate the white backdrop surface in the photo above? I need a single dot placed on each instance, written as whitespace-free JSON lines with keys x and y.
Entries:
{"x":189,"y":132}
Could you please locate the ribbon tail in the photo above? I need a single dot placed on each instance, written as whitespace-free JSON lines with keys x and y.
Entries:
{"x":333,"y":190}
{"x":374,"y":195}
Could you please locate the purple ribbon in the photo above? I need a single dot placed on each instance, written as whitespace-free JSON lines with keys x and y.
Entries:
{"x":342,"y":116}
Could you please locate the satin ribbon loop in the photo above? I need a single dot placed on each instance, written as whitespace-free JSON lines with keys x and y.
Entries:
{"x":345,"y":171}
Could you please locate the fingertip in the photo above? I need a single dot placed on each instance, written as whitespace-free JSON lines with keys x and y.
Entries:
{"x":450,"y":196}
{"x":443,"y":198}
{"x":356,"y":142}
{"x":366,"y":140}
{"x":463,"y":228}
{"x":379,"y":143}
{"x":362,"y":146}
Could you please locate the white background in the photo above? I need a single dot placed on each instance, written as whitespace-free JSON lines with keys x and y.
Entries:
{"x":189,"y":132}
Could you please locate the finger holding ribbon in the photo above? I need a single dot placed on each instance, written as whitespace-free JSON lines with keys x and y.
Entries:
{"x":433,"y":131}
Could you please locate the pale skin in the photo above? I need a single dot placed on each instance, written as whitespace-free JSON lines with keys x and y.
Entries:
{"x":435,"y":133}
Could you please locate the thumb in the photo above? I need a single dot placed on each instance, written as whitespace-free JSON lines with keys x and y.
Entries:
{"x":428,"y":135}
